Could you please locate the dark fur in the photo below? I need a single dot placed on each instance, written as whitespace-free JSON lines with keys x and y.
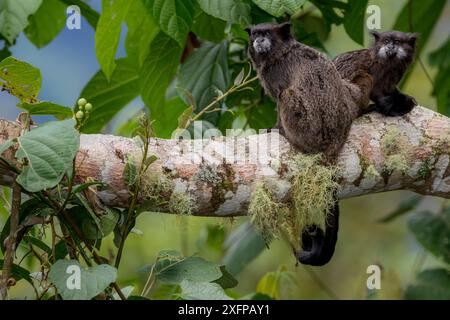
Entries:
{"x":316,"y":108}
{"x":386,"y":69}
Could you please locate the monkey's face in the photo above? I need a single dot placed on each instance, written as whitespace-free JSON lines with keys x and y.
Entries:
{"x":266,"y":37}
{"x":394,"y":44}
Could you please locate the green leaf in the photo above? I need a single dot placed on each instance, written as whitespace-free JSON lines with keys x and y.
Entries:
{"x":184,"y":118}
{"x":31,"y":207}
{"x":354,"y":20}
{"x":92,"y":282}
{"x":150,"y":160}
{"x":191,"y":290}
{"x":242,"y":247}
{"x":50,"y":150}
{"x":14,"y":16}
{"x":425,"y":15}
{"x":107,"y":34}
{"x":278,"y":8}
{"x":90,"y":14}
{"x":441,"y":59}
{"x":84,"y":186}
{"x":60,"y":250}
{"x":404,"y":207}
{"x":158,"y":70}
{"x":47,"y":108}
{"x":130,"y":172}
{"x":21,"y":79}
{"x":167,"y":118}
{"x":236,"y":11}
{"x":107,"y":223}
{"x":46,"y":23}
{"x":227,"y":280}
{"x":5,"y":146}
{"x":209,"y":28}
{"x":18,"y":273}
{"x":332,"y":11}
{"x":206,"y":72}
{"x":433,"y":232}
{"x":174,"y":17}
{"x":431,"y":284}
{"x":108,"y":98}
{"x":171,"y":268}
{"x":141,"y":32}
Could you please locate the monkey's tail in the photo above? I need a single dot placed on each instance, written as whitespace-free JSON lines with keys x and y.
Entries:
{"x":318,"y":246}
{"x":395,"y":104}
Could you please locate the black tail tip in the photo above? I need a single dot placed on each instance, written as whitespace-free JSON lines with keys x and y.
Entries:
{"x":395,"y":104}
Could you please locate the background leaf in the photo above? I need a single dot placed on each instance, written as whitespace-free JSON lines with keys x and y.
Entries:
{"x":14,"y":16}
{"x":191,"y":290}
{"x":237,"y":11}
{"x":47,"y":108}
{"x":208,"y":27}
{"x":46,"y":23}
{"x":107,"y":33}
{"x":174,"y":17}
{"x":90,"y":14}
{"x":278,"y":8}
{"x":430,"y":285}
{"x":354,"y":20}
{"x":108,"y":98}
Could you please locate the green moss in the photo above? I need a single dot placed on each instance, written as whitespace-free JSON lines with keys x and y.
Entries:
{"x":206,"y":174}
{"x":371,"y":172}
{"x":313,"y":189}
{"x":155,"y":185}
{"x":391,"y":141}
{"x":425,"y":169}
{"x":181,"y":203}
{"x":395,"y":163}
{"x":266,"y":213}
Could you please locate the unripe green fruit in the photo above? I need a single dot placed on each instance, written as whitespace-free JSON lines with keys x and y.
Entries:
{"x":81,"y":102}
{"x":88,"y":107}
{"x":79,"y":115}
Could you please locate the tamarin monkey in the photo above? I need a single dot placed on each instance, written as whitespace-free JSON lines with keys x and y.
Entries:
{"x":386,"y":60}
{"x":316,"y":108}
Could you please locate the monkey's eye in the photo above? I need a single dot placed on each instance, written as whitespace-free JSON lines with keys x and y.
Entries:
{"x":396,"y":42}
{"x":386,"y":41}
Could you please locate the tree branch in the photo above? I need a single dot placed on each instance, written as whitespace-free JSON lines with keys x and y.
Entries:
{"x":381,"y":154}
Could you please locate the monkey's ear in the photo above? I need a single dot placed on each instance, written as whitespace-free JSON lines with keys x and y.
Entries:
{"x":376,"y":35}
{"x":412,"y":38}
{"x":248,"y":30}
{"x":285,"y":30}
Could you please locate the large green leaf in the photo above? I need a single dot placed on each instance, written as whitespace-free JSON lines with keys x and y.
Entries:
{"x":107,"y":223}
{"x":332,"y":11}
{"x":208,"y":27}
{"x":174,"y":17}
{"x":166,"y":121}
{"x":50,"y":150}
{"x":242,"y":247}
{"x":108,"y":98}
{"x":14,"y":16}
{"x":191,"y":290}
{"x":158,"y":70}
{"x":90,"y":14}
{"x":172,"y":268}
{"x":278,"y":8}
{"x":431,"y":284}
{"x":21,"y":79}
{"x":205,"y":73}
{"x":141,"y":32}
{"x":354,"y":20}
{"x":236,"y":11}
{"x":47,"y":108}
{"x":441,"y":59}
{"x":92,"y":282}
{"x":421,"y":17}
{"x":433,"y":232}
{"x":18,"y":273}
{"x":46,"y":23}
{"x":107,"y":34}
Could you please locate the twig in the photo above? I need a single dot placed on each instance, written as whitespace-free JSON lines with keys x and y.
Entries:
{"x":11,"y":241}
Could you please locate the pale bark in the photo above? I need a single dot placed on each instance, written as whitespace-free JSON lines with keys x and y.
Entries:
{"x":220,"y":187}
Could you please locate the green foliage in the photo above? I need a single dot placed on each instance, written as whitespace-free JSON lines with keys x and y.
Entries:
{"x":49,"y":151}
{"x":431,"y":284}
{"x":46,"y":23}
{"x":236,"y":11}
{"x":93,"y":280}
{"x":20,"y":79}
{"x":90,"y":14}
{"x":47,"y":108}
{"x":278,"y":8}
{"x":441,"y":59}
{"x":404,"y":207}
{"x":433,"y":232}
{"x":107,"y":33}
{"x":354,"y":20}
{"x":14,"y":16}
